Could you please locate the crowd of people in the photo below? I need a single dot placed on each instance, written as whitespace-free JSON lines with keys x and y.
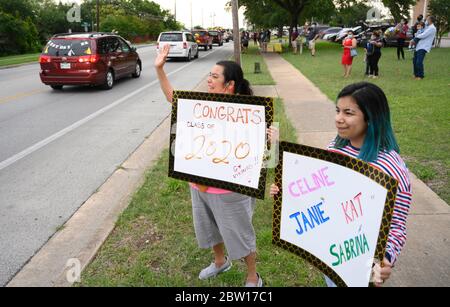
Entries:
{"x":261,"y":39}
{"x":424,"y":34}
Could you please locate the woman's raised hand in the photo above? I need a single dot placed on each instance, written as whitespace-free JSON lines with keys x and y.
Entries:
{"x":274,"y":134}
{"x":162,"y":56}
{"x":274,"y":189}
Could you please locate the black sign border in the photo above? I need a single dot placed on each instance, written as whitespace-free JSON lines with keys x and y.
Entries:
{"x":267,"y":102}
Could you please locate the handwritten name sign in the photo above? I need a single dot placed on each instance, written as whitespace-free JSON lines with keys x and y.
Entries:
{"x":220,"y":140}
{"x":333,"y":210}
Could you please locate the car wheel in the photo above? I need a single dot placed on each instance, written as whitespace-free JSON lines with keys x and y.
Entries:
{"x":210,"y":46}
{"x":206,"y":47}
{"x":56,"y":87}
{"x":109,"y":80}
{"x":137,"y":71}
{"x":196,"y":55}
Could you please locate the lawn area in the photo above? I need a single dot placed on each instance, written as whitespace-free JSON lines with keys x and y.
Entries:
{"x":248,"y":60}
{"x":420,"y":109}
{"x":154,"y":243}
{"x":19,"y":59}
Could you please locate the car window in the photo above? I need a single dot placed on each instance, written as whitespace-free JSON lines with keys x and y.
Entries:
{"x":124,"y":45}
{"x":115,"y":45}
{"x":214,"y":33}
{"x":171,"y":37}
{"x":189,"y":37}
{"x":102,"y":46}
{"x":201,"y":33}
{"x":68,"y":47}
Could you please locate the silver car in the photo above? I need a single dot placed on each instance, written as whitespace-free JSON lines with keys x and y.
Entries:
{"x":182,"y":44}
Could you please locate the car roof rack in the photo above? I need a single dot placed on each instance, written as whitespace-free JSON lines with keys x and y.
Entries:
{"x":68,"y":33}
{"x":102,"y":33}
{"x":92,"y":34}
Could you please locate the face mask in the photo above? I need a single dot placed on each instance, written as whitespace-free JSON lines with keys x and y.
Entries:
{"x":350,"y":36}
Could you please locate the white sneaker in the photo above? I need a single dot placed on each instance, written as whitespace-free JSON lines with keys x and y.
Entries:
{"x":259,"y":284}
{"x":213,"y":271}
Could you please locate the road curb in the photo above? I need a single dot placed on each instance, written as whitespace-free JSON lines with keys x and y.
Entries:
{"x":70,"y":250}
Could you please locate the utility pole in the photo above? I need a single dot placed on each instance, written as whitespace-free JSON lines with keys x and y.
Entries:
{"x":236,"y":36}
{"x":98,"y":16}
{"x":175,"y":10}
{"x":191,"y":17}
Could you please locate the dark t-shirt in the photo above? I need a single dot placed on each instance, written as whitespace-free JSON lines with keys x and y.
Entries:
{"x":312,"y":33}
{"x":376,"y":49}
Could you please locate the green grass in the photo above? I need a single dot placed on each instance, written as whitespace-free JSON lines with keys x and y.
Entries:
{"x":420,"y":109}
{"x":248,"y":60}
{"x":153,"y":243}
{"x":19,"y":59}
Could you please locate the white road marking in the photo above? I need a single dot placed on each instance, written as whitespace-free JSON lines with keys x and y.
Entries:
{"x":57,"y":135}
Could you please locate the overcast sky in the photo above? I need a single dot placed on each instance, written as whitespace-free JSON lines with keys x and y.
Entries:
{"x":206,"y":13}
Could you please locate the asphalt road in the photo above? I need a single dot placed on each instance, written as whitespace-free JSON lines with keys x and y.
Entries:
{"x":58,"y":147}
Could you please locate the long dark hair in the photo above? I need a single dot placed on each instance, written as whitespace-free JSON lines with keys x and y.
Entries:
{"x":373,"y":103}
{"x":233,"y":72}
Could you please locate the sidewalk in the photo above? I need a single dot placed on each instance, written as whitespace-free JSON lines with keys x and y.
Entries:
{"x":425,"y":259}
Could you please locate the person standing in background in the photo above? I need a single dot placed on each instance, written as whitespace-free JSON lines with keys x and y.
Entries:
{"x":424,"y":45}
{"x":373,"y":51}
{"x":402,"y":28}
{"x":348,"y":43}
{"x":313,"y":35}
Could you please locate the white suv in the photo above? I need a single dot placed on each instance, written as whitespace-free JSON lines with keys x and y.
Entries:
{"x":182,"y":44}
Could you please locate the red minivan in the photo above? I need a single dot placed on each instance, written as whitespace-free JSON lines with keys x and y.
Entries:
{"x":88,"y":59}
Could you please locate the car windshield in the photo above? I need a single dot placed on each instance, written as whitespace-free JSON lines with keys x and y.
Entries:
{"x":201,"y":33}
{"x":68,"y":47}
{"x":213,"y":33}
{"x":171,"y":37}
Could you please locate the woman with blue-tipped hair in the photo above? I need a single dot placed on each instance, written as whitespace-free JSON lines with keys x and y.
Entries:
{"x":364,"y":131}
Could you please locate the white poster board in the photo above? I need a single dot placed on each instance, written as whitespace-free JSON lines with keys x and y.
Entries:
{"x":220,"y":144}
{"x":332,"y":212}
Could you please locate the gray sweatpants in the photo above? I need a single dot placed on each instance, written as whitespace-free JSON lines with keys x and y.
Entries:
{"x":224,"y":218}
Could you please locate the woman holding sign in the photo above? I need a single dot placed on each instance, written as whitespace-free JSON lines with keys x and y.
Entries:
{"x":364,"y":132}
{"x":221,"y":218}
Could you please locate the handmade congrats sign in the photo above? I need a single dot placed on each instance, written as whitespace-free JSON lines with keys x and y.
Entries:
{"x":332,"y":210}
{"x":219,"y":140}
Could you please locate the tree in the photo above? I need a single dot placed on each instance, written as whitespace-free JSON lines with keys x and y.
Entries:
{"x":51,"y":19}
{"x":134,"y":19}
{"x":289,"y":13}
{"x":399,"y":8}
{"x":17,"y":36}
{"x":293,"y":8}
{"x":350,"y":12}
{"x":264,"y":14}
{"x":441,"y":10}
{"x":322,"y":10}
{"x":19,"y":8}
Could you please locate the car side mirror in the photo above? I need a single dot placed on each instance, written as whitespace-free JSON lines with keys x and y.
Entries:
{"x":133,"y":49}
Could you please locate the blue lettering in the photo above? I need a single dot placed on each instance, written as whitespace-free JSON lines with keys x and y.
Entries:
{"x":324,"y":219}
{"x":306,"y":222}
{"x":310,"y":219}
{"x":295,"y":215}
